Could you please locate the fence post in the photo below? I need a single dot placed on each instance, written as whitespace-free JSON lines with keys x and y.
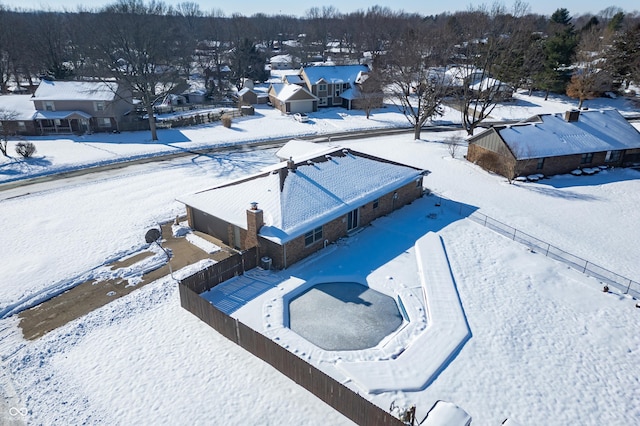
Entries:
{"x":586,"y":262}
{"x":485,"y":220}
{"x":547,"y":252}
{"x":628,"y":287}
{"x":514,"y":234}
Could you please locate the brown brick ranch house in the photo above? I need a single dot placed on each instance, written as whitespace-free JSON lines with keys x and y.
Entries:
{"x":551,"y":144}
{"x":297,"y":207}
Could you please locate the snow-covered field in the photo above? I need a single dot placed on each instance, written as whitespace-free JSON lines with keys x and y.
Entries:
{"x":547,"y":345}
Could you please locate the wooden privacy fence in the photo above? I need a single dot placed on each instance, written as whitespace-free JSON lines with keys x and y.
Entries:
{"x":332,"y":392}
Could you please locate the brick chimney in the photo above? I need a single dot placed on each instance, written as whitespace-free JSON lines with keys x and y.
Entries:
{"x":291,"y":165}
{"x":572,"y":116}
{"x":254,"y":223}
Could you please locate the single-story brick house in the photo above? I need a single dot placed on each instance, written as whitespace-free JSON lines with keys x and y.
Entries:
{"x":552,"y":144}
{"x":298,"y":206}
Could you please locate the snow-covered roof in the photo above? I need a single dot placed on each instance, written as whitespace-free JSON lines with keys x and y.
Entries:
{"x":298,"y":149}
{"x":283,"y":59}
{"x":244,"y":91}
{"x":334,"y":74}
{"x":17,"y":107}
{"x":353,"y":93}
{"x":60,"y":115}
{"x":320,"y":189}
{"x":490,"y":83}
{"x":292,"y":79}
{"x":75,"y":90}
{"x":288,"y":90}
{"x":552,"y":135}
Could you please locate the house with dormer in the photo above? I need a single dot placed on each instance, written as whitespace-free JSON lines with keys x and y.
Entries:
{"x":298,"y":206}
{"x":329,"y":83}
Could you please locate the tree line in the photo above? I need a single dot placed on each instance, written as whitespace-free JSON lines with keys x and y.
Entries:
{"x":153,"y":46}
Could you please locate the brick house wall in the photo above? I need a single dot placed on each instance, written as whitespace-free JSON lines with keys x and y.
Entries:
{"x":505,"y":164}
{"x":296,"y":249}
{"x":490,"y":160}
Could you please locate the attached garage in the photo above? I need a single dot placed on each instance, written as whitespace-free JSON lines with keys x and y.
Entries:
{"x":301,"y":106}
{"x":291,"y":98}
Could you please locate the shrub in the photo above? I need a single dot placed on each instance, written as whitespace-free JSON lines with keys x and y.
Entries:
{"x":25,"y":149}
{"x":226,"y":121}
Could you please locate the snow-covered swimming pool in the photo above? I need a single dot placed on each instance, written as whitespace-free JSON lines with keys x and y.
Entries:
{"x":343,"y":316}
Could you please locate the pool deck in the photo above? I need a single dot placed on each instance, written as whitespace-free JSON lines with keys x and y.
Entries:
{"x":435,"y":331}
{"x":445,"y":335}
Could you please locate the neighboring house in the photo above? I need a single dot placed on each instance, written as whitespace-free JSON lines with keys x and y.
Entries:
{"x":328,"y":83}
{"x":79,"y":106}
{"x":281,"y":62}
{"x":479,"y":81}
{"x":297,"y":207}
{"x":492,"y":87}
{"x":291,"y":98}
{"x":551,"y":144}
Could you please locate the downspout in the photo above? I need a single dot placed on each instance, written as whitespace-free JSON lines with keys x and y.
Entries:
{"x":284,"y":255}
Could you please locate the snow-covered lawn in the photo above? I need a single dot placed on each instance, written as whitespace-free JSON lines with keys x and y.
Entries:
{"x":547,"y":345}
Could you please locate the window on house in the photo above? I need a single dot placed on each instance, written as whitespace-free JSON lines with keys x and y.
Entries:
{"x":322,"y":87}
{"x":345,"y":86}
{"x":540,"y":164}
{"x":99,"y":106}
{"x":338,"y":90}
{"x":313,"y":236}
{"x":104,"y":122}
{"x":49,"y":106}
{"x":613,"y":156}
{"x":21,"y":125}
{"x":586,"y":158}
{"x":322,"y":101}
{"x":376,"y":203}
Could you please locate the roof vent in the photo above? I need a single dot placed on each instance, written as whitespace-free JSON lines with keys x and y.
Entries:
{"x":345,"y":151}
{"x":572,"y":116}
{"x":254,"y":205}
{"x":328,"y":157}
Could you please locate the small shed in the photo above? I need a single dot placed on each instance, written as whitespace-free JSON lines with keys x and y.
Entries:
{"x":247,"y":96}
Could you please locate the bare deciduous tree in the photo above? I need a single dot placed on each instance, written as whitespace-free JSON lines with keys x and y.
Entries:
{"x":453,"y":144}
{"x":6,"y":117}
{"x":589,"y":79}
{"x":133,"y":48}
{"x":416,"y":88}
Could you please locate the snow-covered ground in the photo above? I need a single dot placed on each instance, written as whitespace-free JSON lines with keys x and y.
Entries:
{"x":547,"y":345}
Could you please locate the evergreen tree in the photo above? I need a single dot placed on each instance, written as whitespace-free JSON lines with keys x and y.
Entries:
{"x":623,"y":57}
{"x":559,"y":49}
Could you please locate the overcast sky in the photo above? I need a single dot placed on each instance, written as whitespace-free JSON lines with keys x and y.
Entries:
{"x":298,"y":8}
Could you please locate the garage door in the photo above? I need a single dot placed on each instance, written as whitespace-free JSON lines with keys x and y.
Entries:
{"x":301,"y":106}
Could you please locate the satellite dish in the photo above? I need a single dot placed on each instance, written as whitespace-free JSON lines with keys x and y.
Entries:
{"x":152,"y":235}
